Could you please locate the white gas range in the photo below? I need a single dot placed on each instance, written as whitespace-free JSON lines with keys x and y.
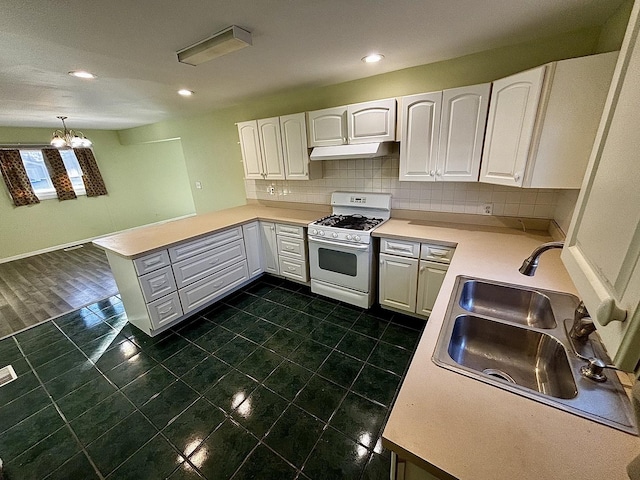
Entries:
{"x":342,"y":250}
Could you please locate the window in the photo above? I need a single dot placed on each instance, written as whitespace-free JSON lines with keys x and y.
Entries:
{"x":39,"y":175}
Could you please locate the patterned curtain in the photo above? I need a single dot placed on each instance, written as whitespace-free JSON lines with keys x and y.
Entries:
{"x":93,"y":183}
{"x":58,"y":174}
{"x":15,"y":176}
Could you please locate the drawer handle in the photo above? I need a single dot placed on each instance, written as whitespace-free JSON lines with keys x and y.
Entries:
{"x":164,"y":312}
{"x":289,"y":248}
{"x":214,"y":261}
{"x":218,"y":284}
{"x":438,"y":253}
{"x":401,"y":249}
{"x":158,"y":284}
{"x":149,"y":263}
{"x":291,"y":269}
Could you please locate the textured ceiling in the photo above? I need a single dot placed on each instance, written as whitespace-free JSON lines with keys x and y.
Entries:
{"x":131,"y":46}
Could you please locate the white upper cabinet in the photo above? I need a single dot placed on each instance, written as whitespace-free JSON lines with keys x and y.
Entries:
{"x":442,"y":134}
{"x":276,"y":149}
{"x":327,"y":127}
{"x":542,"y":123}
{"x":372,"y":121}
{"x":602,"y":250}
{"x":271,"y":148}
{"x":464,"y":117}
{"x":365,"y":122}
{"x":294,"y":149}
{"x":250,"y":147}
{"x":419,"y":136}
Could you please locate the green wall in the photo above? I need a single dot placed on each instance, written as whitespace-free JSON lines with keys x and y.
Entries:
{"x":210,"y":141}
{"x":612,"y":32}
{"x":146,"y":183}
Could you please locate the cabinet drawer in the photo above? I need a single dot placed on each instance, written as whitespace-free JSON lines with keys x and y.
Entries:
{"x":157,"y":284}
{"x":400,"y":247}
{"x":204,"y":291}
{"x":436,"y":253}
{"x":290,"y":230}
{"x":207,"y":263}
{"x":292,"y":247}
{"x":164,"y":310}
{"x":189,"y":249}
{"x":294,"y":268}
{"x":151,"y":262}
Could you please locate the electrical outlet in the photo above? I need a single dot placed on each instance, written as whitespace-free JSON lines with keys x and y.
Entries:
{"x":271,"y":190}
{"x":198,"y":185}
{"x":487,"y":209}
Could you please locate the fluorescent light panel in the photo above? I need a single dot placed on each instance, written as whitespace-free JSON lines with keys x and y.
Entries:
{"x":226,"y":41}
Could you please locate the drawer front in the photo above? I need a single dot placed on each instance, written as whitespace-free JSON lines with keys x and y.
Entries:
{"x":293,"y":268}
{"x":212,"y":287}
{"x":165,"y":310}
{"x":207,"y":263}
{"x":151,"y":262}
{"x":436,"y":253}
{"x":157,"y":284}
{"x":400,"y":247}
{"x":290,"y":230}
{"x":292,"y":247}
{"x":189,"y":249}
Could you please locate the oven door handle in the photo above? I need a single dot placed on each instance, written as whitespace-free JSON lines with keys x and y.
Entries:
{"x":340,"y":244}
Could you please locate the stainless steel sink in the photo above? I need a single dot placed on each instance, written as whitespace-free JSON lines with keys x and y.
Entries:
{"x":522,"y":306}
{"x":520,"y":356}
{"x":515,"y":338}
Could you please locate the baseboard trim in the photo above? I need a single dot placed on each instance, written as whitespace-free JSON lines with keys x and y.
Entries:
{"x":87,"y":240}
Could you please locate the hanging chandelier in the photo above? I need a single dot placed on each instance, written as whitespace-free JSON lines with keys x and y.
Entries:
{"x":69,"y":138}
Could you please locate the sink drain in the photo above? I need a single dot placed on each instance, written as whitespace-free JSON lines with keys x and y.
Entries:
{"x":492,"y":372}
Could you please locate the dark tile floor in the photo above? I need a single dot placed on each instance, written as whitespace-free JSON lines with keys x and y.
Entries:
{"x":272,"y":383}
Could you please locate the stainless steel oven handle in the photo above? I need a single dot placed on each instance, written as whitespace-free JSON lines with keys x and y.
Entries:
{"x":339,"y":244}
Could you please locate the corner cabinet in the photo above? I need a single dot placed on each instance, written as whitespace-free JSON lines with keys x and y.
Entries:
{"x":276,"y":149}
{"x":602,"y":250}
{"x":542,"y":123}
{"x":365,"y":122}
{"x":411,"y":275}
{"x":442,"y":134}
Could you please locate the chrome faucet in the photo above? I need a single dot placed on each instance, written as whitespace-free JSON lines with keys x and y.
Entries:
{"x":583,"y":326}
{"x":530,"y":264}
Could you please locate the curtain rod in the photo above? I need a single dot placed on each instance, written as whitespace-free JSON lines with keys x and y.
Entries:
{"x":29,"y":145}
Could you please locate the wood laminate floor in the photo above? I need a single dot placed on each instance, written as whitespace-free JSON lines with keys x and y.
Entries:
{"x":44,"y":286}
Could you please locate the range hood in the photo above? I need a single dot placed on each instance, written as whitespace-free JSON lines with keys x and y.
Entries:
{"x":347,"y":152}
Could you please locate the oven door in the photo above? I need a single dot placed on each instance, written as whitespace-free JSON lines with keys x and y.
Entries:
{"x":347,"y":265}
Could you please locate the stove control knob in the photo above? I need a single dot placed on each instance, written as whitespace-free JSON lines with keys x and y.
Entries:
{"x":349,"y":237}
{"x":357,"y":238}
{"x":334,"y":235}
{"x":314,"y":232}
{"x":321,"y":233}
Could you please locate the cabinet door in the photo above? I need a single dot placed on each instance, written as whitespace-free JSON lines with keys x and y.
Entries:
{"x":510,"y":126}
{"x":294,"y":146}
{"x":398,"y":282}
{"x":602,"y":251}
{"x":419,"y":136}
{"x":271,"y":148}
{"x":372,"y":121}
{"x":327,"y":127}
{"x":269,"y":248}
{"x":253,"y":246}
{"x":464,"y":117}
{"x":250,"y":148}
{"x":430,"y":278}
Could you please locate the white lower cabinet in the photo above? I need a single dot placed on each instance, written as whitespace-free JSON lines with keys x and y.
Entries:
{"x":212,"y":287}
{"x":292,"y":252}
{"x":269,"y":248}
{"x":165,"y":310}
{"x":411,"y":274}
{"x":253,"y":248}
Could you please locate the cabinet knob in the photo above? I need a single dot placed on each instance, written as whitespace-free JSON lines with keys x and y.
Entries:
{"x":516,"y":177}
{"x":381,"y":262}
{"x":432,"y":173}
{"x":438,"y":172}
{"x":423,"y":268}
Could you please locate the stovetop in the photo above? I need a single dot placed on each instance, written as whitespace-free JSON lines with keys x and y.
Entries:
{"x":349,"y":222}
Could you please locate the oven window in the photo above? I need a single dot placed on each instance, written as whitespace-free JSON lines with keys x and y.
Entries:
{"x":338,"y":262}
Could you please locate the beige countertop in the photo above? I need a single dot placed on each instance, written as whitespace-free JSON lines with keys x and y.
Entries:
{"x":139,"y":241}
{"x":472,"y":430}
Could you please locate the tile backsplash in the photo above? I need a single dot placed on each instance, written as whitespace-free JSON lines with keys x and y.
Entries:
{"x":381,"y":175}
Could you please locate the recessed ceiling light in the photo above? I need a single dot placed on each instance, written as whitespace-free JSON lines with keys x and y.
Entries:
{"x":82,"y":74}
{"x":373,"y":58}
{"x":185,"y":93}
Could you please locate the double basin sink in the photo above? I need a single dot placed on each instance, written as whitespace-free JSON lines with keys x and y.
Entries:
{"x":516,"y":338}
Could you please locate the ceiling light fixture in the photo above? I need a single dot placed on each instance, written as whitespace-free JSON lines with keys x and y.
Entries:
{"x":69,"y":138}
{"x":225,"y":41}
{"x":82,"y":74}
{"x":185,"y":93}
{"x":373,"y":58}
